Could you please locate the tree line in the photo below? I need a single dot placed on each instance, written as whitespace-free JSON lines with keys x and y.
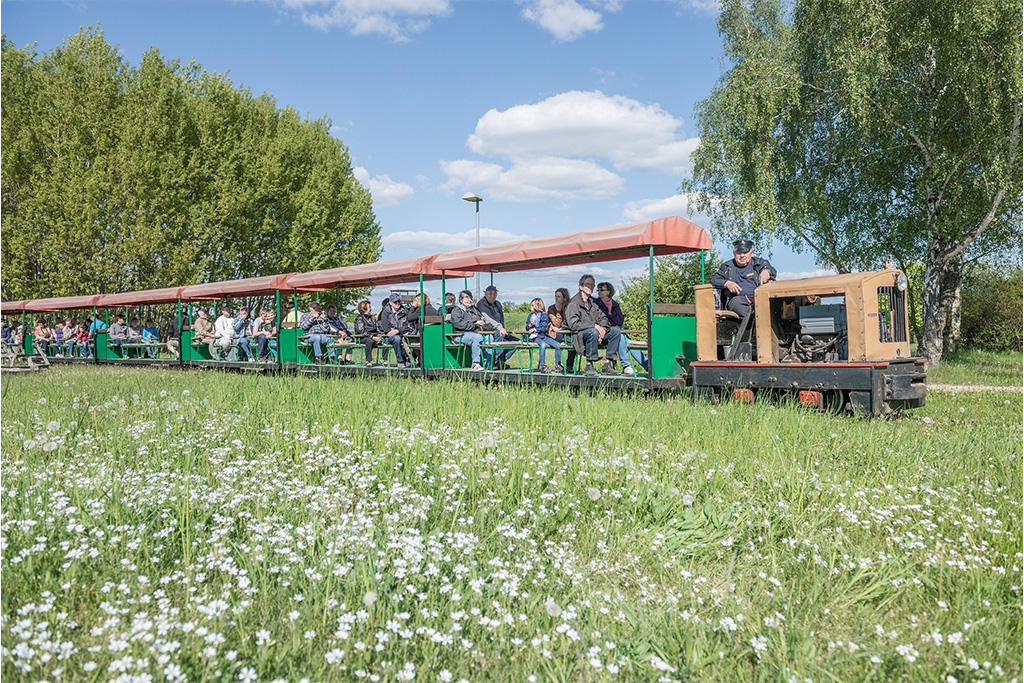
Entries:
{"x":118,"y":177}
{"x":857,"y":131}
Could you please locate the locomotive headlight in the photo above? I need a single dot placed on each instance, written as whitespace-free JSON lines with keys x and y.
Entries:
{"x":901,"y":282}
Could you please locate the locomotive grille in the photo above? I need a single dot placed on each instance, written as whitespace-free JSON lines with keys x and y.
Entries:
{"x":892,"y":315}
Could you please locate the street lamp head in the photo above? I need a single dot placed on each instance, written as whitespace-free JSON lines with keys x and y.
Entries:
{"x":470,"y":197}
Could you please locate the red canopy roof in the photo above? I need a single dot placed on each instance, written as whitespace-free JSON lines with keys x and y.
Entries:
{"x":252,"y":286}
{"x":63,"y":303}
{"x":166,"y":295}
{"x":672,"y":235}
{"x":12,"y":306}
{"x":369,"y":275}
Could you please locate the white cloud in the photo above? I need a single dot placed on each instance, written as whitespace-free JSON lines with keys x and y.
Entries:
{"x":533,"y":179}
{"x":566,"y":20}
{"x":426,"y":242}
{"x":630,"y":134}
{"x":394,"y":19}
{"x":385,"y":191}
{"x":701,"y":6}
{"x":819,"y":272}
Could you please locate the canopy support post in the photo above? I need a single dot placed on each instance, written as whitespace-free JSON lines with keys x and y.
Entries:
{"x":444,"y":296}
{"x":651,"y":278}
{"x":702,"y":266}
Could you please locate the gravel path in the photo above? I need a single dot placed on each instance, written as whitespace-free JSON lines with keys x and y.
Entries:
{"x":967,"y":387}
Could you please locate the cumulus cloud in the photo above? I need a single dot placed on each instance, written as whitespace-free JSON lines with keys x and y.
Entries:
{"x":385,"y":191}
{"x":630,"y":134}
{"x":566,"y":20}
{"x":533,"y":179}
{"x":818,"y":272}
{"x":394,"y":19}
{"x":427,"y":242}
{"x":559,"y":148}
{"x":676,"y":205}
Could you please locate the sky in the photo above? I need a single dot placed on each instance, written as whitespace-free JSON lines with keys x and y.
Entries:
{"x":562,"y":115}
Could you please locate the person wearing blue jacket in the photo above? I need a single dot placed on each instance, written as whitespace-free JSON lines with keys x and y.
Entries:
{"x":537,"y":324}
{"x":242,"y":327}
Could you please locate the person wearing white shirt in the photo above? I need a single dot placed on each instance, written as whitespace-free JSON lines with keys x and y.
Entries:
{"x":223,"y":330}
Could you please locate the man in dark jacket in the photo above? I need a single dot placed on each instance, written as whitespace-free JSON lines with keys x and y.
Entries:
{"x":584,"y":316}
{"x":740,"y":276}
{"x":317,"y":329}
{"x":491,"y":308}
{"x":395,"y":323}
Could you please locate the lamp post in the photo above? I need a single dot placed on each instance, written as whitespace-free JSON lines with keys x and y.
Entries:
{"x":470,"y":197}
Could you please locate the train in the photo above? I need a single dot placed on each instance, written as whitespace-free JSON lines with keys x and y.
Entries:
{"x":835,"y":343}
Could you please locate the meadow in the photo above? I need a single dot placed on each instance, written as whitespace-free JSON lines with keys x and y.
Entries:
{"x":174,"y":525}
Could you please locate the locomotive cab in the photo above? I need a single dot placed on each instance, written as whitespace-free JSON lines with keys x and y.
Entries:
{"x":838,"y":341}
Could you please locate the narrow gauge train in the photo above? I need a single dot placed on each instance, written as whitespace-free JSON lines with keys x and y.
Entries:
{"x":835,"y":342}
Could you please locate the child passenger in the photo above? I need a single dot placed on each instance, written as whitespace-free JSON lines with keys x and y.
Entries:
{"x":537,"y":324}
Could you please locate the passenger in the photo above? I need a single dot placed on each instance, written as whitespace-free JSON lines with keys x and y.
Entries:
{"x":537,"y":325}
{"x":118,"y":331}
{"x":467,"y":319}
{"x":291,"y":318}
{"x":70,"y":328}
{"x":135,"y":331}
{"x":7,"y":333}
{"x":317,"y":329}
{"x":738,"y":277}
{"x":43,"y":337}
{"x":414,"y":312}
{"x":223,"y":331}
{"x":605,"y":292}
{"x":264,"y":331}
{"x":82,"y":339}
{"x":340,"y":331}
{"x":57,"y":332}
{"x":95,"y":327}
{"x":241,"y":328}
{"x":178,"y":323}
{"x":491,"y":307}
{"x":556,"y":312}
{"x":449,"y":304}
{"x":395,"y":325}
{"x":151,"y":336}
{"x":203,"y":330}
{"x":366,"y":327}
{"x":584,"y":316}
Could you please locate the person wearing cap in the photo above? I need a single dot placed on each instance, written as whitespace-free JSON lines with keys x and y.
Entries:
{"x":318,"y":330}
{"x":738,"y":277}
{"x":394,"y":322}
{"x":202,"y":327}
{"x":492,"y":311}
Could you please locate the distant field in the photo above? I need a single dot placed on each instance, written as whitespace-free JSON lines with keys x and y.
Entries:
{"x":980,"y":368}
{"x":171,"y":525}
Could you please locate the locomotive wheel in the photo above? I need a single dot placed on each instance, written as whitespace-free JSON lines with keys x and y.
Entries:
{"x":709,"y":394}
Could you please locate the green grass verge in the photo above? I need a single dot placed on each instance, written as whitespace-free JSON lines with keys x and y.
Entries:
{"x":980,"y":368}
{"x":223,"y":526}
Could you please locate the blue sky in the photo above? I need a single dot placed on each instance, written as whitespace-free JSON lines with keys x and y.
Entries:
{"x":562,"y":114}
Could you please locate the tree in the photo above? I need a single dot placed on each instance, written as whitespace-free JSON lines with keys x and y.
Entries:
{"x":859,"y":130}
{"x":993,"y":308}
{"x":674,"y":279}
{"x":118,"y":178}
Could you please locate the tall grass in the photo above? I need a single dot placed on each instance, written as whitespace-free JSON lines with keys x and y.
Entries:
{"x":216,"y":526}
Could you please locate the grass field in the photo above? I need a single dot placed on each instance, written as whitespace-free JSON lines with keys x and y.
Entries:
{"x":971,"y":367}
{"x":174,"y":525}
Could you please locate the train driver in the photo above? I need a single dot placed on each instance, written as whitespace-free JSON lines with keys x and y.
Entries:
{"x":739,"y":276}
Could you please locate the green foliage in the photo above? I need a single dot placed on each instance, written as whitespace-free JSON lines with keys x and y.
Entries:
{"x":991,"y":313}
{"x":117,"y":177}
{"x":674,"y":279}
{"x":857,"y":131}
